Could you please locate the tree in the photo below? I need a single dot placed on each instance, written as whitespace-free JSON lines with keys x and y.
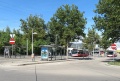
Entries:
{"x":18,"y":41}
{"x":91,"y":39}
{"x":105,"y":43}
{"x":33,"y":22}
{"x":67,"y":23}
{"x":107,"y":19}
{"x":4,"y":38}
{"x":38,"y":25}
{"x":8,"y":30}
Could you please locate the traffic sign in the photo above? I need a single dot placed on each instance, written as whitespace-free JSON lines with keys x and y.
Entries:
{"x":113,"y":46}
{"x":12,"y":35}
{"x":12,"y":41}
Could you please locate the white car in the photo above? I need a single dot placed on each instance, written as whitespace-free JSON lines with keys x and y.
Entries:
{"x":111,"y":54}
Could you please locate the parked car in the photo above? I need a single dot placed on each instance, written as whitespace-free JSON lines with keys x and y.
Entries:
{"x":111,"y":54}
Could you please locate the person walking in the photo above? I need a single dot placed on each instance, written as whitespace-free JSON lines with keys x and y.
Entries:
{"x":33,"y":57}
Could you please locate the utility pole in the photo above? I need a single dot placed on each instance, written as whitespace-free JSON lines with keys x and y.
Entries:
{"x":32,"y":55}
{"x":55,"y":46}
{"x":27,"y":48}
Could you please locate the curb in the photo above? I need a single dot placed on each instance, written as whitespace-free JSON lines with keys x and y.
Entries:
{"x":24,"y":64}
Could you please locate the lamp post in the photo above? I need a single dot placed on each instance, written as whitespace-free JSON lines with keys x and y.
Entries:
{"x":93,"y":49}
{"x":93,"y":43}
{"x":32,"y":39}
{"x":27,"y":48}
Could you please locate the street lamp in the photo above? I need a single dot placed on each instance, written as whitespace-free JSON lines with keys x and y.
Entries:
{"x":93,"y":49}
{"x":32,"y":39}
{"x":93,"y":46}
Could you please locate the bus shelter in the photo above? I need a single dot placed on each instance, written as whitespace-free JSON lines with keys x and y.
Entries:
{"x":7,"y":51}
{"x":51,"y":52}
{"x":46,"y":51}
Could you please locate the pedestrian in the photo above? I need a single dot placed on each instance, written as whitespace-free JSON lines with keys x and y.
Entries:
{"x":33,"y":57}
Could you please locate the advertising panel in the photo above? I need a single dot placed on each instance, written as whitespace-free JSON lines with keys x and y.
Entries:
{"x":44,"y":53}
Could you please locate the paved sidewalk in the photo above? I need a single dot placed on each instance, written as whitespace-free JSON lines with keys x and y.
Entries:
{"x":27,"y":60}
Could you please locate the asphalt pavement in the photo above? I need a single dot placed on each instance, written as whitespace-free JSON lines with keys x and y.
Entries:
{"x":74,"y":69}
{"x":27,"y":60}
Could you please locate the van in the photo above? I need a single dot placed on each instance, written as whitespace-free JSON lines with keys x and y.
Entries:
{"x":111,"y":54}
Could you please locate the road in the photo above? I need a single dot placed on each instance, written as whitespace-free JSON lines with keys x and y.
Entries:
{"x":77,"y":70}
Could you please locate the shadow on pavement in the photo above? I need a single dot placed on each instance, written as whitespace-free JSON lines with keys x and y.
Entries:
{"x":81,"y":58}
{"x":111,"y":59}
{"x":118,"y":60}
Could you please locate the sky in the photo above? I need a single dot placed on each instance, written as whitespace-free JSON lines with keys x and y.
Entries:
{"x":11,"y":11}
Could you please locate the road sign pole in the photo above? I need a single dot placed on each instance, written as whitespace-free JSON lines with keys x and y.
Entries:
{"x":12,"y":50}
{"x":113,"y":55}
{"x":12,"y":41}
{"x":113,"y":46}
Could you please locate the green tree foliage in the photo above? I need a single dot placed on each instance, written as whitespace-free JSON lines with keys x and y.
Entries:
{"x":4,"y":38}
{"x":66,"y":23}
{"x":38,"y":25}
{"x":91,"y":39}
{"x":18,"y":38}
{"x":108,"y":18}
{"x":18,"y":41}
{"x":8,"y":30}
{"x":105,"y":43}
{"x":33,"y":22}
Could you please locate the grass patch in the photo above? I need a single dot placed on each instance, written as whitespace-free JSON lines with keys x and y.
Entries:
{"x":116,"y":62}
